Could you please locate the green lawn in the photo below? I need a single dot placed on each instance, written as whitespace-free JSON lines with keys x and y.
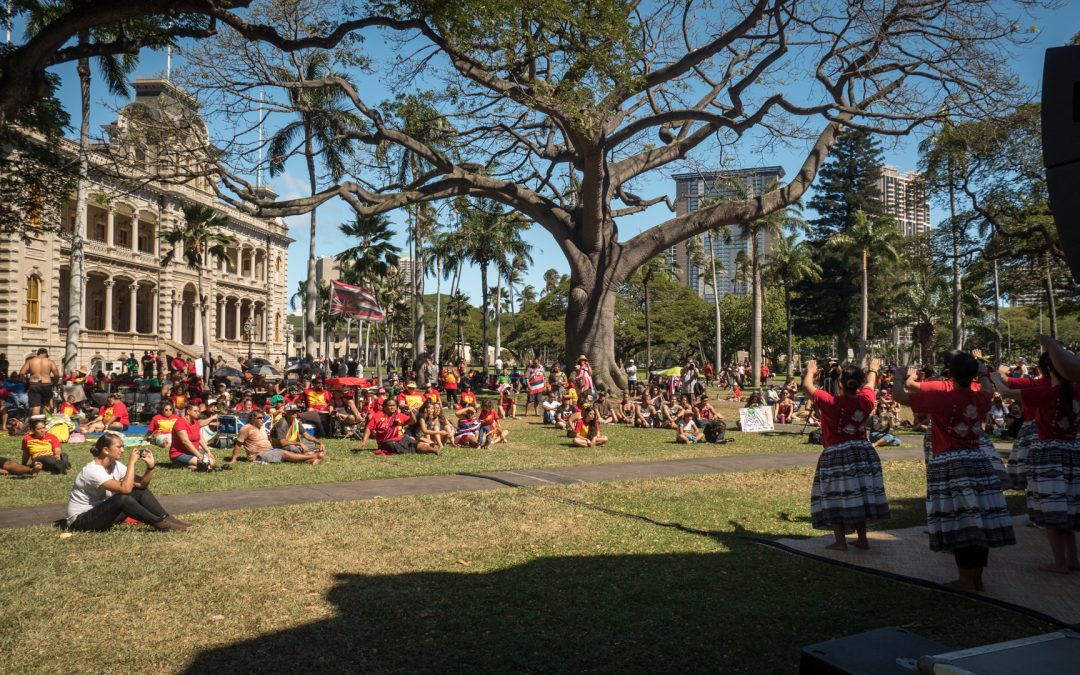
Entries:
{"x":532,"y":445}
{"x":515,"y":580}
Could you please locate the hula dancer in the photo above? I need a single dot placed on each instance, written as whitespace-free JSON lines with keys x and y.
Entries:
{"x":965,"y":508}
{"x":1029,"y":431}
{"x":1053,"y":462}
{"x":848,"y":487}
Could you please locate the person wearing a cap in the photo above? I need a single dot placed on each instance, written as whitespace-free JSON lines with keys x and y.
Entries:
{"x":631,"y":374}
{"x":584,"y":383}
{"x":388,"y":426}
{"x":410,"y":398}
{"x":565,"y":414}
{"x":289,"y":434}
{"x":468,"y":398}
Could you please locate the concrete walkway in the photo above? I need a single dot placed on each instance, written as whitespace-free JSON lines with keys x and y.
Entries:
{"x":404,"y":487}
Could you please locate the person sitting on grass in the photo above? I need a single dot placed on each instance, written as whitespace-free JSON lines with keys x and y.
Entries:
{"x":107,"y":491}
{"x":667,"y":414}
{"x":626,"y":410}
{"x":159,"y":432}
{"x":289,"y":435}
{"x":433,"y":427}
{"x":41,"y":447}
{"x":388,"y":426}
{"x":550,"y":408}
{"x":508,"y":404}
{"x":565,"y":412}
{"x":736,"y":392}
{"x":10,"y":468}
{"x":587,"y":429}
{"x":188,"y":447}
{"x":489,"y":417}
{"x":784,"y":408}
{"x":112,"y":417}
{"x":705,"y":412}
{"x":255,"y":441}
{"x":848,"y":488}
{"x":645,"y":413}
{"x":687,"y":430}
{"x":469,"y":432}
{"x":603,"y":409}
{"x":468,"y":397}
{"x":882,"y":423}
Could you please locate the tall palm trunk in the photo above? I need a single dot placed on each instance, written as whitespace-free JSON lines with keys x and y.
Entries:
{"x":312,"y":292}
{"x":755,"y":302}
{"x":76,"y":283}
{"x":202,"y":311}
{"x":484,"y":313}
{"x":498,"y":314}
{"x":790,"y":336}
{"x":864,"y":319}
{"x":648,"y":326}
{"x":719,"y":365}
{"x":957,"y":282}
{"x":438,"y":310}
{"x":461,"y":336}
{"x":997,"y":316}
{"x":1051,"y":305}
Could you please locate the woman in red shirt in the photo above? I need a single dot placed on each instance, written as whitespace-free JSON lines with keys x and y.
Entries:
{"x":848,"y":487}
{"x":966,"y":511}
{"x":1029,"y":431}
{"x":1053,"y":461}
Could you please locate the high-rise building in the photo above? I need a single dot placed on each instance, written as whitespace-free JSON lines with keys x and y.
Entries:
{"x":904,"y":199}
{"x":327,"y":270}
{"x":407,"y":269}
{"x":694,"y":189}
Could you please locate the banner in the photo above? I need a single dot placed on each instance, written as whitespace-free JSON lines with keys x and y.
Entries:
{"x":755,"y":419}
{"x":354,"y":302}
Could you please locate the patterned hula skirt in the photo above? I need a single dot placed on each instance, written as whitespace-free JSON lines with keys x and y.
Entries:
{"x":964,"y":502}
{"x":1028,"y":433}
{"x":1053,"y":483}
{"x":986,"y":444}
{"x":848,"y":487}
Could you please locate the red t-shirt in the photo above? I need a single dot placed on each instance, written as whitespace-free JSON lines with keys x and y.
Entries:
{"x":1044,"y":403}
{"x":163,"y":424}
{"x":844,"y":418}
{"x":1021,"y":383}
{"x":491,"y":417}
{"x":387,"y":428}
{"x":956,"y":415}
{"x":177,"y":447}
{"x":67,"y":408}
{"x":118,"y":412}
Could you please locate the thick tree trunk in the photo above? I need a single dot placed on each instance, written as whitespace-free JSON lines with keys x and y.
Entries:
{"x":76,"y":281}
{"x":590,"y":330}
{"x":755,"y":311}
{"x":311,"y":288}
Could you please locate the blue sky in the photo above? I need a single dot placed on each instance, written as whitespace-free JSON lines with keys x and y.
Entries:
{"x":1054,"y":29}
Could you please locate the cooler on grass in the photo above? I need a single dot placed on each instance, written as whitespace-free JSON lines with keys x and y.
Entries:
{"x":884,"y":651}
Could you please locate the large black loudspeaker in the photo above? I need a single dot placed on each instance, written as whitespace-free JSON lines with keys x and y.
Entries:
{"x":1061,"y":145}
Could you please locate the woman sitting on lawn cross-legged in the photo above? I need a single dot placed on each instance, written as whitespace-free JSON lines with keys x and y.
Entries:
{"x":966,"y":511}
{"x":587,"y":429}
{"x":848,"y":487}
{"x":107,"y":491}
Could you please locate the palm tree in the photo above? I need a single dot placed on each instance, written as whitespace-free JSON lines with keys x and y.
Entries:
{"x":867,"y":237}
{"x":758,"y":232}
{"x":715,"y":268}
{"x":513,"y":257}
{"x":114,"y":70}
{"x":320,"y":129}
{"x":197,"y":242}
{"x":443,"y":248}
{"x":790,"y":262}
{"x":527,"y":296}
{"x":488,"y":235}
{"x":370,"y":259}
{"x":551,"y":281}
{"x":645,"y":275}
{"x":458,"y":305}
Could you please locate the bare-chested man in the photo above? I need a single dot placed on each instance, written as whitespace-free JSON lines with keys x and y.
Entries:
{"x":41,"y":374}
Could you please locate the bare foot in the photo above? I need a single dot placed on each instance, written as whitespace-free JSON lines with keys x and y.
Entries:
{"x":837,"y":546}
{"x":962,"y":585}
{"x":1057,"y":569}
{"x":35,"y":469}
{"x":862,"y":543}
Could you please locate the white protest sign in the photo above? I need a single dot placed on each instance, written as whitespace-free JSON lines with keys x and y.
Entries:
{"x":755,"y":419}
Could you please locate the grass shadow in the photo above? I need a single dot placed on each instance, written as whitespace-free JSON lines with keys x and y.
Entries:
{"x":638,"y":613}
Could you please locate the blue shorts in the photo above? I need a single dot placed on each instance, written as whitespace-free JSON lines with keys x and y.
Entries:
{"x":182,"y":460}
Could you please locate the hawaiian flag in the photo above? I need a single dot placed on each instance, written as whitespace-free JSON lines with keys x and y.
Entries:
{"x":354,"y":302}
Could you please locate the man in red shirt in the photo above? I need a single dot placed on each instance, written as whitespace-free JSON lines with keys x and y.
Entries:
{"x":388,"y":426}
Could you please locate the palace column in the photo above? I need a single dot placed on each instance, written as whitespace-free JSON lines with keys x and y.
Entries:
{"x":197,"y":341}
{"x":237,"y":327}
{"x":155,"y":309}
{"x":109,"y":222}
{"x":132,"y":326}
{"x":108,"y":304}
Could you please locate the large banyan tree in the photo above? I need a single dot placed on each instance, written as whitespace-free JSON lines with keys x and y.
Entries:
{"x":560,"y":109}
